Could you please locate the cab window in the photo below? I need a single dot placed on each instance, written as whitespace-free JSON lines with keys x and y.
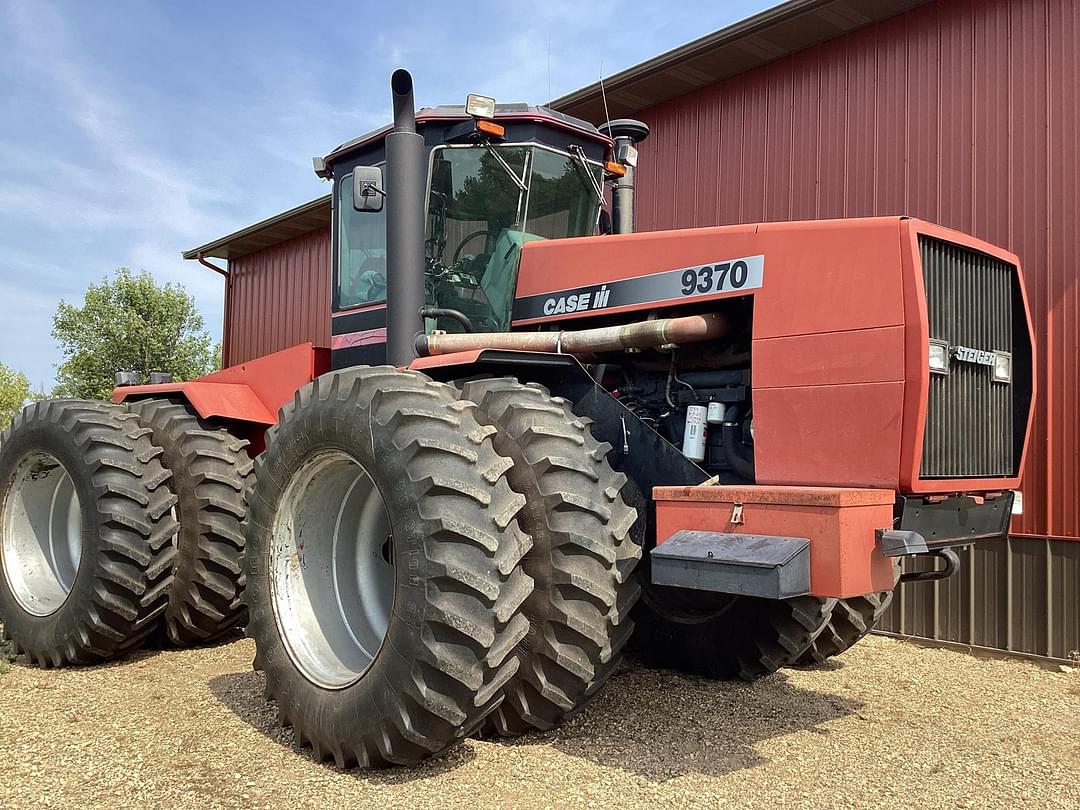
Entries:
{"x":361,"y":262}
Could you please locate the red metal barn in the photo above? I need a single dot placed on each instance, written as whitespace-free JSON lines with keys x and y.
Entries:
{"x":962,"y":112}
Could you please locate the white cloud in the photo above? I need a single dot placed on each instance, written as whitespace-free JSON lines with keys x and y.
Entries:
{"x":102,"y":165}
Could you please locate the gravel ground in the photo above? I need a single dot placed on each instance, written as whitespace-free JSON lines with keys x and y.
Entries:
{"x":887,"y":725}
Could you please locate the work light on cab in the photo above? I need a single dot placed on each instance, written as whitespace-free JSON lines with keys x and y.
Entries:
{"x":479,"y":106}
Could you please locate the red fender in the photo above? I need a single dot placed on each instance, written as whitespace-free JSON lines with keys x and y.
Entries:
{"x":250,"y":393}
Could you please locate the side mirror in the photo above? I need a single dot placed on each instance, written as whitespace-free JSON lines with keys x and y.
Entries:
{"x":367,"y":189}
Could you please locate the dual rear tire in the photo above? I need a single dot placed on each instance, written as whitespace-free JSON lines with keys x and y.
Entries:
{"x":116,"y":523}
{"x":211,"y":475}
{"x":87,"y":532}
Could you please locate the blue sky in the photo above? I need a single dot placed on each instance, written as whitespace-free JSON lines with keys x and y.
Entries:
{"x":131,"y":130}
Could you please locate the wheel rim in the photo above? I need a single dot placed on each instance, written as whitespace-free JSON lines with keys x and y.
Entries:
{"x":42,"y":534}
{"x":332,"y":570}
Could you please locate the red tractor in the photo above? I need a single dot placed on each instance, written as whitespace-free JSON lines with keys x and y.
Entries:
{"x":713,"y":444}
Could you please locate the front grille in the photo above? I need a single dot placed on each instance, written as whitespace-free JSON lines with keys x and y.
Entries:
{"x":972,"y":299}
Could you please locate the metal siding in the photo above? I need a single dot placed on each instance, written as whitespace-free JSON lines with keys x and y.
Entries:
{"x":963,"y":113}
{"x":1063,"y":289}
{"x":1021,"y":595}
{"x":278,"y":297}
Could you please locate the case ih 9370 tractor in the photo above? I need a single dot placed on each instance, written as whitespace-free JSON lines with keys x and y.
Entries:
{"x":719,"y":441}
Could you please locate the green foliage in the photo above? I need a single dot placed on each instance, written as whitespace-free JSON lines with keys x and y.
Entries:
{"x":129,"y":323}
{"x":14,"y":392}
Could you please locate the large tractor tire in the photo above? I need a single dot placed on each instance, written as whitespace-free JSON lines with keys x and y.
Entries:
{"x":87,"y":532}
{"x":212,"y":473}
{"x":733,"y":637}
{"x":383,"y":562}
{"x":850,"y":620}
{"x":582,"y":559}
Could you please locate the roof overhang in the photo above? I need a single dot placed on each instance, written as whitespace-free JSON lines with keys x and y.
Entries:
{"x":785,"y":29}
{"x":298,"y":221}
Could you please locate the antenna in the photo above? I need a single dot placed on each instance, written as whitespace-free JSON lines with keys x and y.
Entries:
{"x":549,"y":67}
{"x":603,"y":93}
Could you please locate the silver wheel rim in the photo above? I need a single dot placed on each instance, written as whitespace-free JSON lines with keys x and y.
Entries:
{"x":331,"y":569}
{"x":42,"y":534}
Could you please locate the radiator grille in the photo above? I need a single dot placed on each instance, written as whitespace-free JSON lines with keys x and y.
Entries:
{"x":969,"y":421}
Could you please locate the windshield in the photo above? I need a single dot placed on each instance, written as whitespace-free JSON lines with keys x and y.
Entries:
{"x":485,"y":203}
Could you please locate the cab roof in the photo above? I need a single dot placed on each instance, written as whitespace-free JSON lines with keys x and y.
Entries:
{"x":517,"y":112}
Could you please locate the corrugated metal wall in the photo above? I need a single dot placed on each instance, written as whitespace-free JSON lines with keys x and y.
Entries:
{"x":1021,"y":595}
{"x":962,"y":112}
{"x":278,"y":297}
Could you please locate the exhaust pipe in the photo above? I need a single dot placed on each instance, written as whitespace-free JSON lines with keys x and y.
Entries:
{"x":406,"y":172}
{"x":640,"y":335}
{"x":627,"y":133}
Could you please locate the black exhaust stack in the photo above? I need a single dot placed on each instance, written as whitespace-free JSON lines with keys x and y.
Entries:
{"x":627,"y":133}
{"x":406,"y":173}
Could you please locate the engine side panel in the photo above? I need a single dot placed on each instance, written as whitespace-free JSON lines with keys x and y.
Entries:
{"x":822,"y":276}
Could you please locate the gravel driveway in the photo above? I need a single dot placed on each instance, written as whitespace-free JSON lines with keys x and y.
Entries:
{"x":888,"y":725}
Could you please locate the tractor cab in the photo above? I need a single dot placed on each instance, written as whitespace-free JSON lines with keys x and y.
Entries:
{"x":498,"y":176}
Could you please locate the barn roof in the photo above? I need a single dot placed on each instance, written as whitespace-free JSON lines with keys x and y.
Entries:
{"x":772,"y":34}
{"x":303,"y":219}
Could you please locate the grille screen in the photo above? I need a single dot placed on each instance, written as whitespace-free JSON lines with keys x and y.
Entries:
{"x":969,"y":420}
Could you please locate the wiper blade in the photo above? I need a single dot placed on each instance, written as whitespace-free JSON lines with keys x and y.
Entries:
{"x":506,"y":166}
{"x":579,"y":153}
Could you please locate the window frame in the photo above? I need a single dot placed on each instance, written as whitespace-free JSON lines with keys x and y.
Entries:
{"x":335,"y":258}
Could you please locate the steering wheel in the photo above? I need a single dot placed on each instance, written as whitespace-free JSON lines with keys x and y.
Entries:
{"x":464,"y":242}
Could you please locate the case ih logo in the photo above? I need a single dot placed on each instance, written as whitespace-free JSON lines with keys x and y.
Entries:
{"x":968,"y":355}
{"x":578,"y":303}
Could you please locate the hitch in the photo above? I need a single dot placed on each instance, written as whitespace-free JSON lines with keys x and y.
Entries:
{"x":952,"y":565}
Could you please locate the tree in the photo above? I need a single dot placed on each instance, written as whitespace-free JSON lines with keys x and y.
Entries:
{"x":14,"y":391}
{"x":129,"y":323}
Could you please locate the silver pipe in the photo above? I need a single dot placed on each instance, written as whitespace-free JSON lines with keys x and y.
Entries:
{"x":639,"y":335}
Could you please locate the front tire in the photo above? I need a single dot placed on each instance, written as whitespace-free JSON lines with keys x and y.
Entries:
{"x":383,"y":568}
{"x":582,"y":560}
{"x":87,"y":532}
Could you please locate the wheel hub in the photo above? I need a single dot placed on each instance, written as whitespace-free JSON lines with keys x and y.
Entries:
{"x":332,"y":570}
{"x":41,"y":523}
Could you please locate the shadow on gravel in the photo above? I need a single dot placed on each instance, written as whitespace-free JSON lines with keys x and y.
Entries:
{"x":655,"y":723}
{"x":662,"y":725}
{"x":242,"y":693}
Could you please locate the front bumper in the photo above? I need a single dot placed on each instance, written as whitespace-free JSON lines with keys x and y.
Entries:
{"x":958,"y":520}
